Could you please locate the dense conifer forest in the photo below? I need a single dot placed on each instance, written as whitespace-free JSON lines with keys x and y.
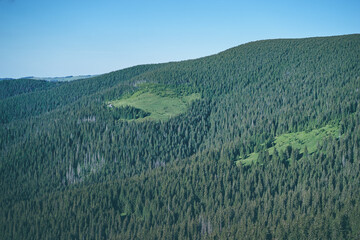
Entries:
{"x":73,"y":166}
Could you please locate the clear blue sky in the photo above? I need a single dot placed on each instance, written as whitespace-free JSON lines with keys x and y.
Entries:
{"x":48,"y":38}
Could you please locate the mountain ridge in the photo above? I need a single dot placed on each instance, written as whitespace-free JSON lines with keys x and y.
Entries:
{"x":79,"y":169}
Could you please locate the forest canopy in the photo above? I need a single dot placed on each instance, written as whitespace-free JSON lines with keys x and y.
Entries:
{"x":259,"y":141}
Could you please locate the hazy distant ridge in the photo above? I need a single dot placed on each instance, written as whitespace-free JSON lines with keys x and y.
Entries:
{"x":54,"y":79}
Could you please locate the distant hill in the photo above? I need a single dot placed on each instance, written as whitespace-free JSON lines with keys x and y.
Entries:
{"x":261,"y":141}
{"x":13,"y":87}
{"x":61,"y":79}
{"x":54,"y":79}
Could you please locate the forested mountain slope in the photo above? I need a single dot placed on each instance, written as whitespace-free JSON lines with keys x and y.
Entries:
{"x":73,"y":166}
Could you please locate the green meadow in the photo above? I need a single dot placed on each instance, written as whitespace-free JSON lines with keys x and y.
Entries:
{"x":160,"y":101}
{"x":297,"y":140}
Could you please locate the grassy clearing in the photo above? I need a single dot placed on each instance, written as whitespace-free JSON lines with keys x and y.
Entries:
{"x":162,"y":103}
{"x":297,"y":140}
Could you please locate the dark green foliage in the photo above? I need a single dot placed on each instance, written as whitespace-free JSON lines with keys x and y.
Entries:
{"x":71,"y":170}
{"x":127,"y":113}
{"x":35,"y":103}
{"x":13,"y":87}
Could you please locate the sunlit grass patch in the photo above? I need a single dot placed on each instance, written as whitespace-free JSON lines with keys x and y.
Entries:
{"x":162,"y":103}
{"x":297,"y":140}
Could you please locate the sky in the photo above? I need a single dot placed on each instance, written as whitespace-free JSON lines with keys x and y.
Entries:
{"x":79,"y":37}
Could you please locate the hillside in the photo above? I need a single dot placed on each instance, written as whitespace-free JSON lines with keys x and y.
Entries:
{"x":259,"y":141}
